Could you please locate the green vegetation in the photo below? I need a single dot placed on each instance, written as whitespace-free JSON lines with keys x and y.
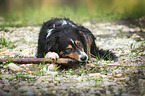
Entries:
{"x":4,"y":42}
{"x":94,"y":11}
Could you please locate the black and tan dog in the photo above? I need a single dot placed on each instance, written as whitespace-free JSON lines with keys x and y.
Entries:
{"x":69,"y":40}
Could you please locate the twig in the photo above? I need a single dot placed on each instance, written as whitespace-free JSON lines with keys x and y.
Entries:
{"x":64,"y":61}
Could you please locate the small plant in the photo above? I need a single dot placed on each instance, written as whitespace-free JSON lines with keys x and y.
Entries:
{"x":4,"y":42}
{"x":2,"y":28}
{"x":120,"y":32}
{"x":9,"y":58}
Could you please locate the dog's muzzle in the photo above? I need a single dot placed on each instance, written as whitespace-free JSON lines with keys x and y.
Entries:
{"x":83,"y":57}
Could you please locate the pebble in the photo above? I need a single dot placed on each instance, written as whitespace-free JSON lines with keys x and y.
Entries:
{"x":118,"y":75}
{"x":2,"y":93}
{"x":44,"y":78}
{"x":1,"y":85}
{"x":52,"y":67}
{"x":24,"y":89}
{"x":120,"y":79}
{"x":126,"y":94}
{"x":6,"y":88}
{"x":136,"y":37}
{"x":27,"y":89}
{"x":23,"y":83}
{"x":29,"y":93}
{"x":45,"y":90}
{"x":141,"y":82}
{"x":14,"y":67}
{"x":95,"y":74}
{"x":91,"y":65}
{"x":65,"y":86}
{"x":108,"y":93}
{"x":135,"y":91}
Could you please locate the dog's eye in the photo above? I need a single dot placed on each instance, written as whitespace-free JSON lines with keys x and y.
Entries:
{"x":69,"y":50}
{"x":79,"y":44}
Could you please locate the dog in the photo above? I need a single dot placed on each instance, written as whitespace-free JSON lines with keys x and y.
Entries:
{"x":69,"y":40}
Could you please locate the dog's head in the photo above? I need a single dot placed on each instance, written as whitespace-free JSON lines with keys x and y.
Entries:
{"x":68,"y":43}
{"x":72,"y":48}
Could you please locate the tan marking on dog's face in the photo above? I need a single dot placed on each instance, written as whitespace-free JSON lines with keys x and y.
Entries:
{"x":76,"y":42}
{"x":79,"y":45}
{"x":61,"y":53}
{"x":74,"y":52}
{"x":70,"y":46}
{"x":80,"y":31}
{"x":74,"y":55}
{"x":70,"y":53}
{"x":88,"y":45}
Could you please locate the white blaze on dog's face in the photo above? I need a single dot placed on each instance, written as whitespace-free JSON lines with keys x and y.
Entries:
{"x":79,"y":47}
{"x":74,"y":49}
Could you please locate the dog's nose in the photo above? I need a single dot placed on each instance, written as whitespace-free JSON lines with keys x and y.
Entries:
{"x":83,"y":58}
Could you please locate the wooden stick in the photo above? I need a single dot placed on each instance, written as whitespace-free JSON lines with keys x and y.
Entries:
{"x":64,"y":61}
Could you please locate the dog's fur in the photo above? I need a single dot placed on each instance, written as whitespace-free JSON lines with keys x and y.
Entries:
{"x":67,"y":39}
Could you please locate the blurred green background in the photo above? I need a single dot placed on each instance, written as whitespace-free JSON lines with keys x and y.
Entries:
{"x":35,"y":12}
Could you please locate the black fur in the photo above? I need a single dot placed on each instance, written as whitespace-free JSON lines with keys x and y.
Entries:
{"x":62,"y":31}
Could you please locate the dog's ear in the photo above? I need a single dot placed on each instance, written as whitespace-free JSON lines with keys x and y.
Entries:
{"x":87,"y":38}
{"x":51,"y":42}
{"x":85,"y":31}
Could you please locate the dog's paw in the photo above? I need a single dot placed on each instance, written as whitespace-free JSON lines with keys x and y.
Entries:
{"x":52,"y":55}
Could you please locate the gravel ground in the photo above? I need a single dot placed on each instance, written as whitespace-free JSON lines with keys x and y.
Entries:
{"x":126,"y":77}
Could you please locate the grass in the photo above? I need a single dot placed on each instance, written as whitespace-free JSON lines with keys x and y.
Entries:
{"x":4,"y":42}
{"x":30,"y":16}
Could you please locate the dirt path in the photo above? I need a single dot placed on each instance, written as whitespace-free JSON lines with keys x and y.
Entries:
{"x":126,"y":77}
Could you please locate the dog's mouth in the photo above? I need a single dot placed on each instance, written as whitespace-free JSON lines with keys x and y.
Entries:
{"x":82,"y":57}
{"x":81,"y":61}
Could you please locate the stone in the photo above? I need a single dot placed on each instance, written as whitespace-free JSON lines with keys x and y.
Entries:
{"x":118,"y":75}
{"x":52,"y":67}
{"x":25,"y":89}
{"x":65,"y":86}
{"x":2,"y":93}
{"x":136,"y":37}
{"x":29,"y":93}
{"x":1,"y":85}
{"x":91,"y":65}
{"x":23,"y":83}
{"x":6,"y":88}
{"x":95,"y":74}
{"x":14,"y":67}
{"x":141,"y":82}
{"x":44,"y":78}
